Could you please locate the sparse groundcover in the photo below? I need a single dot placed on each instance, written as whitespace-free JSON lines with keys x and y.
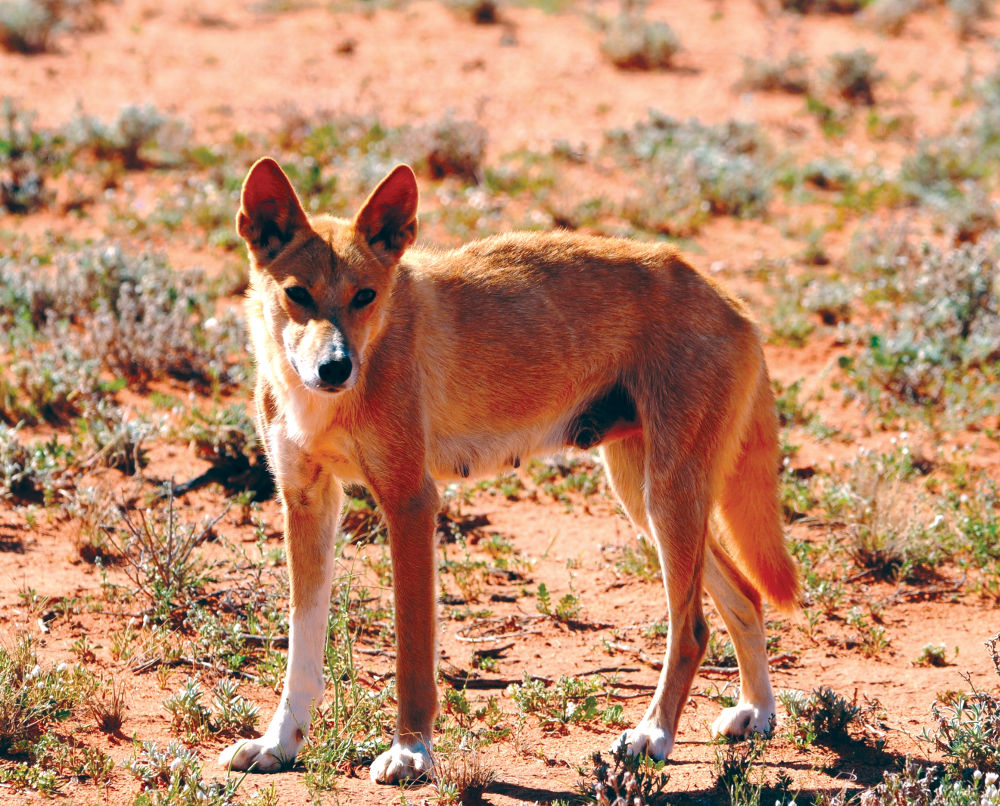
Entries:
{"x":139,"y":137}
{"x":40,"y":709}
{"x":134,"y":314}
{"x":32,"y":157}
{"x":936,"y":344}
{"x":691,"y":171}
{"x":119,"y":367}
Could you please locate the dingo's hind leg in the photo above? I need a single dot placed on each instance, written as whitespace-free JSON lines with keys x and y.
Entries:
{"x":670,"y":501}
{"x":739,"y":604}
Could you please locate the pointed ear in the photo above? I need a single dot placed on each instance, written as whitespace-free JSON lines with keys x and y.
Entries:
{"x":388,"y":220}
{"x":270,"y":213}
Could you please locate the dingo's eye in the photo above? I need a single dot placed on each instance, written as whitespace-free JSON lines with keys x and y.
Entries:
{"x":299,"y":295}
{"x":364,"y":297}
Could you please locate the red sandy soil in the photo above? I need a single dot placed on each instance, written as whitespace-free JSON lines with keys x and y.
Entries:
{"x":533,"y":79}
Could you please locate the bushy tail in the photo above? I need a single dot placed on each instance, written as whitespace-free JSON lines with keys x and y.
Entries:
{"x":750,"y":508}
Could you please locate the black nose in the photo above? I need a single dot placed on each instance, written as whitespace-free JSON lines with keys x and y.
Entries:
{"x":335,"y":372}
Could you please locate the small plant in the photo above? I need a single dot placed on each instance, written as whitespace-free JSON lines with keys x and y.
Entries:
{"x":932,"y":655}
{"x":786,"y":75}
{"x":566,"y":609}
{"x":968,"y":726}
{"x":461,"y":777}
{"x":872,"y":637}
{"x":173,"y":776}
{"x":92,"y":509}
{"x":822,"y":716}
{"x":26,"y":153}
{"x":720,"y":652}
{"x":876,"y":501}
{"x":853,"y":76}
{"x":452,"y":147}
{"x":631,"y":42}
{"x":31,"y":698}
{"x":108,"y":707}
{"x":32,"y":472}
{"x":28,"y":26}
{"x":481,"y":12}
{"x":739,"y":769}
{"x":234,"y":714}
{"x":570,"y":700}
{"x":627,"y":779}
{"x":890,"y":16}
{"x":161,"y":557}
{"x":227,"y":439}
{"x":109,"y":437}
{"x":67,"y":757}
{"x":348,"y":731}
{"x":138,"y":137}
{"x":188,"y":715}
{"x":917,"y":785}
{"x":968,"y":14}
{"x":643,"y":563}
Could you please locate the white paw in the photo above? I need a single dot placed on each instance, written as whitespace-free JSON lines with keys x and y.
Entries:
{"x":646,"y":739}
{"x":257,"y":755}
{"x":402,"y":762}
{"x":743,"y":719}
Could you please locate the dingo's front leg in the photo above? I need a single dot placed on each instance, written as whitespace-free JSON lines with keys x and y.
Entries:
{"x":311,"y":503}
{"x":411,"y":534}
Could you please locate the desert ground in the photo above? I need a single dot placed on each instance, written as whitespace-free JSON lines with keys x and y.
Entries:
{"x":833,"y":162}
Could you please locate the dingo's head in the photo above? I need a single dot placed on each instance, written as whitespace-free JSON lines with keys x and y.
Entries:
{"x":324,"y":283}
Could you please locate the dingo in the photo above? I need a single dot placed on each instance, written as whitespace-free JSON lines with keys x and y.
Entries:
{"x":398,"y":371}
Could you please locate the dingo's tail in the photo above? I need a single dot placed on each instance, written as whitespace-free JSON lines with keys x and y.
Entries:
{"x":750,"y":508}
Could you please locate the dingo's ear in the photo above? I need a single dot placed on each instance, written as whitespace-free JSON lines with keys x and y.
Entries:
{"x":270,"y":213}
{"x":388,"y":220}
